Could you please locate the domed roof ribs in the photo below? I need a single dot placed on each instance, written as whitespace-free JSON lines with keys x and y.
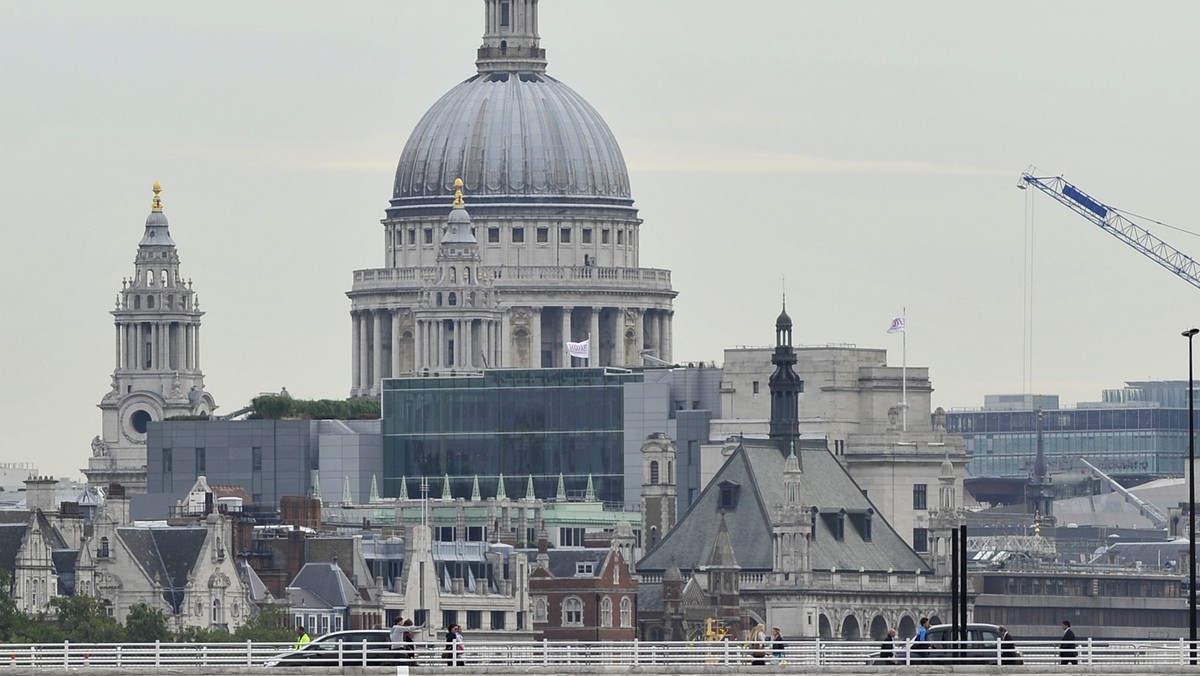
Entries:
{"x":510,"y":38}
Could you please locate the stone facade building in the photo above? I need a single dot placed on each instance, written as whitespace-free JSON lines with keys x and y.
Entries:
{"x":157,"y":354}
{"x":550,"y":251}
{"x":784,"y":536}
{"x":189,"y":570}
{"x":884,"y":434}
{"x":583,"y":594}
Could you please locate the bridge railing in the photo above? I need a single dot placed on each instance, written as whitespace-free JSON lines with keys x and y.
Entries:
{"x":69,"y":655}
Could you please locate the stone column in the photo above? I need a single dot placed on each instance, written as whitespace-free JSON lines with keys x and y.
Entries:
{"x":567,"y":361}
{"x":418,"y":345}
{"x":618,"y":337}
{"x":376,"y":350}
{"x":197,"y":346}
{"x":355,"y":354}
{"x":594,"y":338}
{"x":395,"y":372}
{"x":364,"y":355}
{"x":503,"y":338}
{"x":118,"y":330}
{"x":668,"y":346}
{"x":535,"y":337}
{"x":468,"y":347}
{"x":639,"y":337}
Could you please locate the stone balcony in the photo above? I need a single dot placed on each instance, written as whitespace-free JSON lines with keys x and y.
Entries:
{"x":593,"y":277}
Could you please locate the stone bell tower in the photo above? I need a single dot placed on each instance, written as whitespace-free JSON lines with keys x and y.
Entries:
{"x":157,"y":353}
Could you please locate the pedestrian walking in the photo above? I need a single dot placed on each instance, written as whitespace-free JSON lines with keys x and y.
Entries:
{"x":777,"y":644}
{"x":302,"y":638}
{"x":1067,"y":652}
{"x":758,"y":645}
{"x":1008,"y":649}
{"x":887,"y":649}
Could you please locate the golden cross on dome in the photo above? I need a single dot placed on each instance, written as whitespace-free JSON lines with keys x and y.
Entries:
{"x":458,"y":200}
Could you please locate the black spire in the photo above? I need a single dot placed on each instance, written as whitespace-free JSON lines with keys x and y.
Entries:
{"x":786,"y":387}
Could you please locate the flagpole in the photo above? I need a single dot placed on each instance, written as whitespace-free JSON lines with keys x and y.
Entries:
{"x":904,"y":371}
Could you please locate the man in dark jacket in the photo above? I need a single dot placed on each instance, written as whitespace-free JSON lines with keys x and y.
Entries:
{"x":1008,"y":649}
{"x":1066,"y":650}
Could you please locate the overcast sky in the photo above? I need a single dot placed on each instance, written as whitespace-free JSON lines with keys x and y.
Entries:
{"x":868,"y":152}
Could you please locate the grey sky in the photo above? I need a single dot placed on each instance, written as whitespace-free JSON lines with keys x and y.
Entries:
{"x":869,"y":151}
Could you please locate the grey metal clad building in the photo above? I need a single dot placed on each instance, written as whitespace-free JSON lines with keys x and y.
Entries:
{"x":1139,"y":430}
{"x":268,"y":458}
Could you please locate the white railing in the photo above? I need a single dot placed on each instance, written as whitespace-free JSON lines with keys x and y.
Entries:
{"x":819,"y":653}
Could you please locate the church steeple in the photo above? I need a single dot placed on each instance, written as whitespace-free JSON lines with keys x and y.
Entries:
{"x":510,"y":38}
{"x":157,"y":357}
{"x":786,"y":387}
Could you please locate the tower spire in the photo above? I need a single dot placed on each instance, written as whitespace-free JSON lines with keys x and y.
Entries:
{"x":510,"y":38}
{"x":786,"y":387}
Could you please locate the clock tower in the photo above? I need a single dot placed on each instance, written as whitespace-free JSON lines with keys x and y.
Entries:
{"x":157,"y":352}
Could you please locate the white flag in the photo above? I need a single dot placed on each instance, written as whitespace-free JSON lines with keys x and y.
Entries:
{"x":897,"y":325}
{"x":581,"y":350}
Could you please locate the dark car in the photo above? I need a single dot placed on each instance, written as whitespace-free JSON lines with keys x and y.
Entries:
{"x":982,"y":645}
{"x":941,"y":647}
{"x":341,"y":648}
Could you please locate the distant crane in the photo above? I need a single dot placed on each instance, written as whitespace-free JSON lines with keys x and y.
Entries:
{"x":1112,"y":222}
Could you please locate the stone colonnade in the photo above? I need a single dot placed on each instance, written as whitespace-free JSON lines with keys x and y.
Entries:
{"x":158,"y":346}
{"x":397,"y":342}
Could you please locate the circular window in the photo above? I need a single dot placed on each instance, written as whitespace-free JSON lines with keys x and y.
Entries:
{"x":139,"y":420}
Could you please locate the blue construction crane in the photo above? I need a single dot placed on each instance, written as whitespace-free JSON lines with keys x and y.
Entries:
{"x":1112,"y":222}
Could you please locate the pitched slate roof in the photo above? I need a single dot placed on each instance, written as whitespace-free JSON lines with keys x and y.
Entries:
{"x":166,"y":555}
{"x":327,"y":582}
{"x":563,"y":561}
{"x":757,"y":467}
{"x":11,"y":535}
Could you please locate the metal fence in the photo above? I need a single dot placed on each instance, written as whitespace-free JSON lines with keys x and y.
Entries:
{"x":551,"y":653}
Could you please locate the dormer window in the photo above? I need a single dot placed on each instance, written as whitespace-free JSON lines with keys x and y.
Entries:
{"x":585,"y":568}
{"x":839,"y":527}
{"x":728,"y":498}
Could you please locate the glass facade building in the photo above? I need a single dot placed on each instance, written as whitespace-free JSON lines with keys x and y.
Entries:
{"x":1139,"y":430}
{"x":515,"y":423}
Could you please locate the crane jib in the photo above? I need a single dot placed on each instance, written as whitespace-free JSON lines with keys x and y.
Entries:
{"x":1084,"y":201}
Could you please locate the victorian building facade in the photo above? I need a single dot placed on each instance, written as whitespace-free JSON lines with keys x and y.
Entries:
{"x":551,"y":253}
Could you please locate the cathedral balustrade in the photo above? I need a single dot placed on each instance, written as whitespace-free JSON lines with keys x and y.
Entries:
{"x":412,"y":279}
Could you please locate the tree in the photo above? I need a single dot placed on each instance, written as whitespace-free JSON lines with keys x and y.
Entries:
{"x":268,"y":625}
{"x":12,"y":620}
{"x":146,"y":625}
{"x":84,"y":619}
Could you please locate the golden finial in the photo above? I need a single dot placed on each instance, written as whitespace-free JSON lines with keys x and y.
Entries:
{"x":156,"y":205}
{"x":458,"y":200}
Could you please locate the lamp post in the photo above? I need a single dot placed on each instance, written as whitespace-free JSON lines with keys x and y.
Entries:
{"x":1189,"y":334}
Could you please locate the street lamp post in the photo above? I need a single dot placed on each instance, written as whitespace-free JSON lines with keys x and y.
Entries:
{"x":1189,"y":334}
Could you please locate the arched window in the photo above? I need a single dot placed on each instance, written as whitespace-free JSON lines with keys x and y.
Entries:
{"x":539,"y":610}
{"x":606,"y":612}
{"x":218,"y":617}
{"x":626,"y":612}
{"x":162,"y":278}
{"x":467,"y":275}
{"x":137,"y":302}
{"x":149,"y":278}
{"x":453,"y":276}
{"x":572,"y":612}
{"x":103,"y":553}
{"x":452,"y":299}
{"x":653,"y":471}
{"x":439,"y":299}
